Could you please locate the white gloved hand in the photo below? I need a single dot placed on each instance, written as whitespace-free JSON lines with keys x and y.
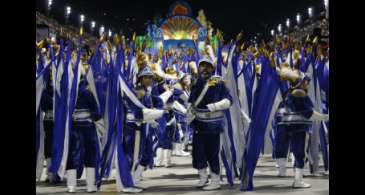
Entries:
{"x":211,"y":107}
{"x":221,"y":105}
{"x":180,"y":108}
{"x":184,"y":97}
{"x":153,"y":124}
{"x":100,"y":128}
{"x":190,"y":113}
{"x":245,"y":117}
{"x":151,"y":114}
{"x":181,"y":134}
{"x":173,"y":120}
{"x":316,"y":116}
{"x":166,"y":95}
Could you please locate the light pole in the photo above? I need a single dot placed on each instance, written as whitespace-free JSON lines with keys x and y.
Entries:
{"x":67,"y":14}
{"x":92,"y":25}
{"x":327,"y":8}
{"x":310,"y":12}
{"x":287,"y":23}
{"x":82,"y":19}
{"x":298,"y":18}
{"x":49,"y":7}
{"x":279,"y":28}
{"x":101,"y":30}
{"x":109,"y":33}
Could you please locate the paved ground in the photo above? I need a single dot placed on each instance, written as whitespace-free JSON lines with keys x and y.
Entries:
{"x":181,"y":178}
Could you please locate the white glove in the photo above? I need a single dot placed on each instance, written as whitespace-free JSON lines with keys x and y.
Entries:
{"x":221,"y":105}
{"x":184,"y":97}
{"x":151,"y":114}
{"x":100,"y":128}
{"x":171,"y":121}
{"x":316,"y":116}
{"x":177,"y":106}
{"x":245,"y":117}
{"x":190,"y":114}
{"x":153,"y":124}
{"x":166,"y":95}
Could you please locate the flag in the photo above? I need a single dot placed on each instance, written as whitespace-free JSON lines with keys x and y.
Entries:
{"x":264,"y":98}
{"x":114,"y":117}
{"x":322,"y":70}
{"x":110,"y":113}
{"x":248,"y":72}
{"x":62,"y":79}
{"x":67,"y":100}
{"x":40,"y":86}
{"x":218,"y":70}
{"x":41,"y":63}
{"x":233,"y":139}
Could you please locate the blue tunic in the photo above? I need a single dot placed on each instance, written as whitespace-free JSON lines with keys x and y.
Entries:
{"x":292,"y":124}
{"x":48,"y":121}
{"x":83,"y":145}
{"x":296,"y":106}
{"x":206,"y":138}
{"x":214,"y":94}
{"x":146,"y":144}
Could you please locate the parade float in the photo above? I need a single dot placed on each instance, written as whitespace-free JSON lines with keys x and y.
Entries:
{"x":178,"y":30}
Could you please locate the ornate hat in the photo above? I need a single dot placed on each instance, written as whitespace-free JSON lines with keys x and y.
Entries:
{"x":146,"y":71}
{"x":208,"y":60}
{"x":302,"y":78}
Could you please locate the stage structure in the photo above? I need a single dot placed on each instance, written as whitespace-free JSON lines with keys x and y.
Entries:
{"x":178,"y":29}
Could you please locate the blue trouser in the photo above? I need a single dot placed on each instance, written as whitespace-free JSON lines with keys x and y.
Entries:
{"x":83,"y":145}
{"x":289,"y":135}
{"x":166,"y":137}
{"x":185,"y":130}
{"x":48,"y":138}
{"x":129,"y":138}
{"x":146,"y":150}
{"x":206,"y":149}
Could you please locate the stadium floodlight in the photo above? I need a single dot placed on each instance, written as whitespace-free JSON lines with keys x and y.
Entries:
{"x":288,"y":22}
{"x":49,"y":4}
{"x":279,"y":28}
{"x":92,"y":24}
{"x":326,"y":3}
{"x":109,"y":33}
{"x":101,"y":30}
{"x":272,"y":32}
{"x":310,"y":12}
{"x":298,"y":18}
{"x":68,"y":11}
{"x":82,"y":18}
{"x":326,"y":7}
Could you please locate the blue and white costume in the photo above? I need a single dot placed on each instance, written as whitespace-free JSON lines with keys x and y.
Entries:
{"x":182,"y":137}
{"x":294,"y":118}
{"x":142,"y":122}
{"x":83,"y":142}
{"x":48,"y":123}
{"x":207,"y":101}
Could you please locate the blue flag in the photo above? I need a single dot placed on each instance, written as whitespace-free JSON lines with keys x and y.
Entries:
{"x":266,"y":92}
{"x":62,"y":79}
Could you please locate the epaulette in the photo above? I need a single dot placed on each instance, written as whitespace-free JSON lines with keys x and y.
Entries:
{"x":178,"y":86}
{"x":214,"y":80}
{"x":140,"y":92}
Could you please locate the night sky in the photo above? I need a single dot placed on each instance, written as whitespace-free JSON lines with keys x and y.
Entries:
{"x":231,"y":16}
